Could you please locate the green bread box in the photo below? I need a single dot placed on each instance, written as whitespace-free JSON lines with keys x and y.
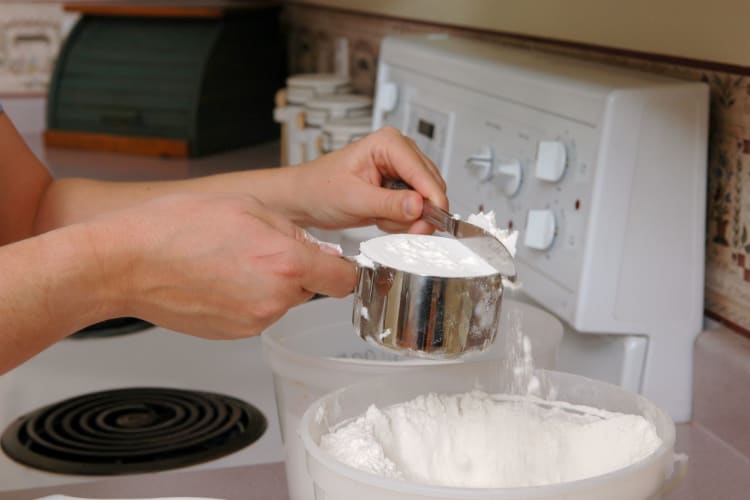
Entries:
{"x":167,"y":81}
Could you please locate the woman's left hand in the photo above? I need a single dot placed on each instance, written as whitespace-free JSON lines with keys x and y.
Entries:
{"x":344,"y":188}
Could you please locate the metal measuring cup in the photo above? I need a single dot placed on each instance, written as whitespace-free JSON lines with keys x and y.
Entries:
{"x":427,"y":316}
{"x":431,"y":316}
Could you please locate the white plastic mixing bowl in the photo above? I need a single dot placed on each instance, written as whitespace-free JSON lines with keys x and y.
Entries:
{"x":648,"y":478}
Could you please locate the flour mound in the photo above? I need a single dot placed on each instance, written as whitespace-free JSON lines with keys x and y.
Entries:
{"x":480,"y":440}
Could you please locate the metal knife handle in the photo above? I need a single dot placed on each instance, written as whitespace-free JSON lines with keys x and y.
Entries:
{"x":439,"y":218}
{"x":396,"y":184}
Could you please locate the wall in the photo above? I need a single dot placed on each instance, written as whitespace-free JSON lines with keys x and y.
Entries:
{"x":313,"y":32}
{"x":699,"y":30}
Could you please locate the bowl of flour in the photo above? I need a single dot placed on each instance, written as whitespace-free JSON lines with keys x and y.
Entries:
{"x":463,"y":431}
{"x":313,"y":350}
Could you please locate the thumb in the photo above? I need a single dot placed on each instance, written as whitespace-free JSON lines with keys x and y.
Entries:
{"x":393,"y":205}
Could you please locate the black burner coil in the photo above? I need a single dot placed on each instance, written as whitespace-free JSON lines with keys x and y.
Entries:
{"x":132,"y":430}
{"x":112,"y":328}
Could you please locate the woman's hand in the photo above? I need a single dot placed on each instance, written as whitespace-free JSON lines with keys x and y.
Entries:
{"x":343,"y":188}
{"x":213,"y":265}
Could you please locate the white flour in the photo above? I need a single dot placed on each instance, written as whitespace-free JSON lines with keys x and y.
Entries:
{"x":426,"y":255}
{"x":435,"y":255}
{"x":479,"y":440}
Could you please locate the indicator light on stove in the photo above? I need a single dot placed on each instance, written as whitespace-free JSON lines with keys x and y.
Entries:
{"x":480,"y":163}
{"x":540,"y":229}
{"x":507,"y":176}
{"x":550,"y":161}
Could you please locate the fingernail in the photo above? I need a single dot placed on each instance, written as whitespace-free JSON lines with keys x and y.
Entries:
{"x":331,"y":248}
{"x":410,"y":207}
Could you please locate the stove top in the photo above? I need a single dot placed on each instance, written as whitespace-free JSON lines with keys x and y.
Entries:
{"x":153,"y":360}
{"x":126,"y":431}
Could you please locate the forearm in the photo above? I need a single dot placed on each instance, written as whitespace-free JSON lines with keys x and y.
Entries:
{"x":68,"y":201}
{"x":50,"y":286}
{"x":23,"y":180}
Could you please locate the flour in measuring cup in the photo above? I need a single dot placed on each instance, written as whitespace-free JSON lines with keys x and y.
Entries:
{"x":434,"y":255}
{"x":425,"y":255}
{"x":479,"y":440}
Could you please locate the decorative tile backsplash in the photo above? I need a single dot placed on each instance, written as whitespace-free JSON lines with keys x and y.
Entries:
{"x":313,"y":34}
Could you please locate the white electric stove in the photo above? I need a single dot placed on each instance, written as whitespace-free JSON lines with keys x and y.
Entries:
{"x":601,"y":169}
{"x":154,"y":357}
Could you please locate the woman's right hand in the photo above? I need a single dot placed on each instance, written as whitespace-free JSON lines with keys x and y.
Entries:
{"x":212,"y":265}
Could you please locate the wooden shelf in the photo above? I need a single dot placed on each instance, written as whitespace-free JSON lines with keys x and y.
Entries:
{"x":150,"y":146}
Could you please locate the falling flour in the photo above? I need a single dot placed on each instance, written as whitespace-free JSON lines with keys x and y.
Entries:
{"x":480,"y":440}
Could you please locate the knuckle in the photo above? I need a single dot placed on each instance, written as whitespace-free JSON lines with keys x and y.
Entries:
{"x":290,"y":267}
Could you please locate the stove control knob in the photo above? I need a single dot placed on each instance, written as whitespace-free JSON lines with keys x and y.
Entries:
{"x":540,"y":229}
{"x":480,"y":163}
{"x":387,"y":97}
{"x":507,"y":176}
{"x":550,"y":160}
